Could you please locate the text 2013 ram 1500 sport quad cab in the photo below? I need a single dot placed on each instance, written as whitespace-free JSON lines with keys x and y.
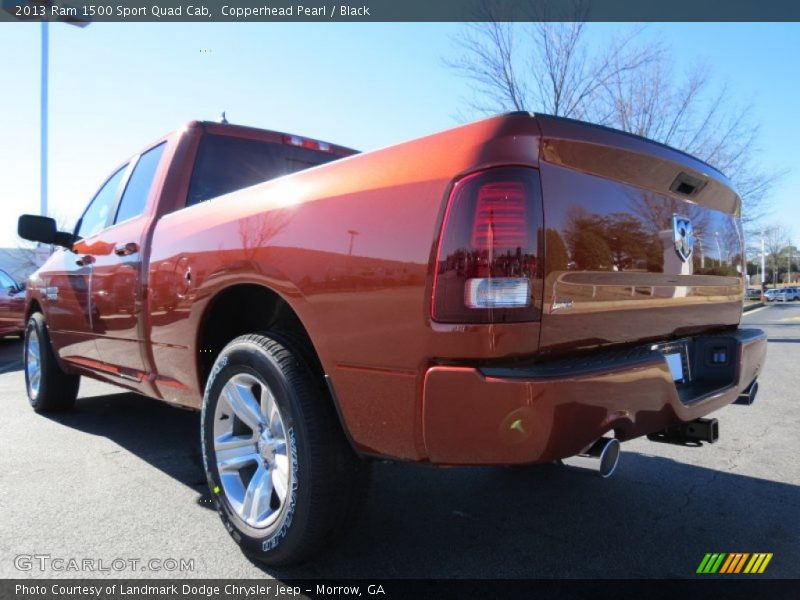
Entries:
{"x":518,"y":290}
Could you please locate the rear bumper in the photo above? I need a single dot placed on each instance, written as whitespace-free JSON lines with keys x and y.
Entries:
{"x":540,"y":413}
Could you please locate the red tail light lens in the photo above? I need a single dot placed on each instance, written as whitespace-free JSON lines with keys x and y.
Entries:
{"x":487,"y":259}
{"x":500,"y":216}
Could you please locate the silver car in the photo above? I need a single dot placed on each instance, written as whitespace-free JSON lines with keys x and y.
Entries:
{"x":786,"y":294}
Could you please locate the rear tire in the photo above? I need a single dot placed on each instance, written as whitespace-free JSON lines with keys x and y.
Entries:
{"x":282,"y":475}
{"x":49,"y":388}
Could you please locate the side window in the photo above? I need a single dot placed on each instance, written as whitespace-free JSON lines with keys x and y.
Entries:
{"x":138,"y":188}
{"x":96,"y":216}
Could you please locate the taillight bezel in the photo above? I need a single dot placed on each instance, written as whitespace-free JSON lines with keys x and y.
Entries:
{"x":460,"y":212}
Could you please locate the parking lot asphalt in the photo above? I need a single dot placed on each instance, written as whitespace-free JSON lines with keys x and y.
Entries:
{"x":120,"y":476}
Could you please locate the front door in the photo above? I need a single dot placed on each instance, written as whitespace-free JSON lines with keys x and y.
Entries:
{"x":68,"y":306}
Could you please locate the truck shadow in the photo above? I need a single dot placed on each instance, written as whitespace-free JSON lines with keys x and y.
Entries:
{"x":10,"y":354}
{"x":166,"y":437}
{"x":655,"y":517}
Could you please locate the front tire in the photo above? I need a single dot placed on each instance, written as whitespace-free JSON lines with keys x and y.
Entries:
{"x":282,"y":475}
{"x":49,"y":388}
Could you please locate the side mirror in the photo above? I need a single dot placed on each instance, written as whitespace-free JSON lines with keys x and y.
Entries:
{"x":43,"y":229}
{"x":37,"y":229}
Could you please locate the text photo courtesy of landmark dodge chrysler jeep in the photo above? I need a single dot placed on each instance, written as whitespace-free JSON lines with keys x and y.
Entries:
{"x":519,"y":290}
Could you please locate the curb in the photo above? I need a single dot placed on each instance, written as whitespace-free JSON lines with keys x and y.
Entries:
{"x":753,"y":306}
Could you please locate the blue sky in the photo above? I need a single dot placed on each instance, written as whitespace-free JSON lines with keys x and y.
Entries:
{"x":114,"y":87}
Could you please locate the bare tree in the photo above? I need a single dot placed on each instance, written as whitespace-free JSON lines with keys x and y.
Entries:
{"x":624,"y":82}
{"x":561,"y":76}
{"x":776,"y":240}
{"x":29,"y":257}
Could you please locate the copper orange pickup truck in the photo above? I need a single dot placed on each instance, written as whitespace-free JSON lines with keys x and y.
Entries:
{"x":523,"y":289}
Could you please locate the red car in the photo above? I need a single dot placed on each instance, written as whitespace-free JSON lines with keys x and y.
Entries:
{"x":518,"y":290}
{"x":12,"y":306}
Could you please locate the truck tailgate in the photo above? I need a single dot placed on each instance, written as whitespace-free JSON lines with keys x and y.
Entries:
{"x":642,"y":242}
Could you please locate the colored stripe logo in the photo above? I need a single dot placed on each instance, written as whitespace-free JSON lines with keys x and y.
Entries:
{"x":734,"y":562}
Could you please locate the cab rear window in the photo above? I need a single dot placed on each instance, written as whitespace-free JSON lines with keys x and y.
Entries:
{"x":226,"y":164}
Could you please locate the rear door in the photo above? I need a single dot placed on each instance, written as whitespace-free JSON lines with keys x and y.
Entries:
{"x":116,"y":288}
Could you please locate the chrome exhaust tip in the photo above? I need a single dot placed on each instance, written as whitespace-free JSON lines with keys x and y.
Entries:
{"x":601,"y":457}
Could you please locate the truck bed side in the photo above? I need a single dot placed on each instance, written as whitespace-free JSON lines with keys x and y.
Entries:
{"x":348,"y":246}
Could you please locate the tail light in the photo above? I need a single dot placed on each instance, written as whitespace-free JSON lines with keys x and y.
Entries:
{"x":487,"y":258}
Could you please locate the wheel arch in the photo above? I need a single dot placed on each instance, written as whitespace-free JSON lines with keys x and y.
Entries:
{"x":243,"y":308}
{"x":33,"y":307}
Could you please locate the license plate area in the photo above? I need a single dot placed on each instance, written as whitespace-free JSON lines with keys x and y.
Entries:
{"x":677,"y":356}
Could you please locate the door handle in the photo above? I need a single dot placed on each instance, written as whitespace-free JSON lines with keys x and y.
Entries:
{"x":84,"y":260}
{"x":126,"y":249}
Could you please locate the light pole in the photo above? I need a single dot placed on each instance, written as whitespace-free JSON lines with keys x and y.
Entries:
{"x":763,"y":264}
{"x":44,"y":104}
{"x":43,"y":117}
{"x":10,"y":7}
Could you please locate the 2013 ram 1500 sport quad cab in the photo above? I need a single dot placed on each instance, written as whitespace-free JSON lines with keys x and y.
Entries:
{"x":518,"y":290}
